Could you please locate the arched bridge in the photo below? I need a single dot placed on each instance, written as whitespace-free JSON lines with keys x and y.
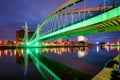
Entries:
{"x":79,"y":17}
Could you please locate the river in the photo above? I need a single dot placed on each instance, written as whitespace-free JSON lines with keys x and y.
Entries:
{"x":15,"y":64}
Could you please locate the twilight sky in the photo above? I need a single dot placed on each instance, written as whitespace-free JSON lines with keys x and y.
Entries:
{"x":13,"y":14}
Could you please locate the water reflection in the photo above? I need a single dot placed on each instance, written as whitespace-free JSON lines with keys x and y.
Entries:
{"x":26,"y":56}
{"x":110,"y":48}
{"x":11,"y":52}
{"x":67,"y":55}
{"x":41,"y":67}
{"x":118,"y":48}
{"x":107,"y":48}
{"x":58,"y":51}
{"x":97,"y":48}
{"x":82,"y":52}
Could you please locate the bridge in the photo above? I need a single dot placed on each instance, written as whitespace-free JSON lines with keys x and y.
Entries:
{"x":78,"y":17}
{"x":73,"y":18}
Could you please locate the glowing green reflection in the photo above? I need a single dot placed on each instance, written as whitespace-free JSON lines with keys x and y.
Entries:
{"x":43,"y":70}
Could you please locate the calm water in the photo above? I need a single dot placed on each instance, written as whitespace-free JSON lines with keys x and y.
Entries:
{"x":19,"y":64}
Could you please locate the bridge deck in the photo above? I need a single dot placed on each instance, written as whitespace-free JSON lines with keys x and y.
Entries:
{"x":108,"y":21}
{"x":110,"y":18}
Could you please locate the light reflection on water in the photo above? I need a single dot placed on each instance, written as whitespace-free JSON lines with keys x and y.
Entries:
{"x":81,"y":51}
{"x":83,"y":59}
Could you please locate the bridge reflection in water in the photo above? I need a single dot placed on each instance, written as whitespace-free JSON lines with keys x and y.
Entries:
{"x":47,"y":73}
{"x":44,"y":70}
{"x":81,"y":51}
{"x":52,"y":63}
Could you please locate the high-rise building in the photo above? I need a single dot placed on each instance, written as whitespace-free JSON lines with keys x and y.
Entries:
{"x":20,"y":35}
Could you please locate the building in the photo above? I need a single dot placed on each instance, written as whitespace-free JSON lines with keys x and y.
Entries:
{"x":82,"y":41}
{"x":82,"y":38}
{"x":20,"y":36}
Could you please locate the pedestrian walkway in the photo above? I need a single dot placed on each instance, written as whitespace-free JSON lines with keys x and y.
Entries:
{"x":104,"y":74}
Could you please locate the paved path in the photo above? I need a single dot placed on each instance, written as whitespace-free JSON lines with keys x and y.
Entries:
{"x":104,"y":74}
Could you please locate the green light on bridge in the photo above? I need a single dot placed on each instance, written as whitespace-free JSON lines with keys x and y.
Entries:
{"x":97,"y":19}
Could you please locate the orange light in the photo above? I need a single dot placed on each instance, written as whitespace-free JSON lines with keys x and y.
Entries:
{"x":0,"y":53}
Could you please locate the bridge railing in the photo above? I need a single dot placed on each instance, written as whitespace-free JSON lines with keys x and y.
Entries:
{"x":61,"y":20}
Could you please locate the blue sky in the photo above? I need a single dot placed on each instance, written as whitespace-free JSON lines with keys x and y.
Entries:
{"x":14,"y":13}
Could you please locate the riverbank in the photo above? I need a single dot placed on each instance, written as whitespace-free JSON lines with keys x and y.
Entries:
{"x":8,"y":47}
{"x":104,"y":74}
{"x":14,"y":47}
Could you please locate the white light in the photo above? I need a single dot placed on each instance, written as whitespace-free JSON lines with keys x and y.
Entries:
{"x":97,"y":42}
{"x":82,"y":38}
{"x":97,"y":49}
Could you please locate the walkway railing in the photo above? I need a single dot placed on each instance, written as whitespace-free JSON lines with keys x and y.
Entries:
{"x":76,"y":13}
{"x":71,"y":17}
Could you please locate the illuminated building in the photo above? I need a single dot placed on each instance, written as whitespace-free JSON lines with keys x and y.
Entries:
{"x":20,"y":36}
{"x":59,"y":41}
{"x":82,"y":38}
{"x":3,"y":43}
{"x":118,"y":42}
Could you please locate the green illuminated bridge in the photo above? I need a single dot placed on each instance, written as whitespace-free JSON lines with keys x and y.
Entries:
{"x":78,"y":17}
{"x":73,"y":18}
